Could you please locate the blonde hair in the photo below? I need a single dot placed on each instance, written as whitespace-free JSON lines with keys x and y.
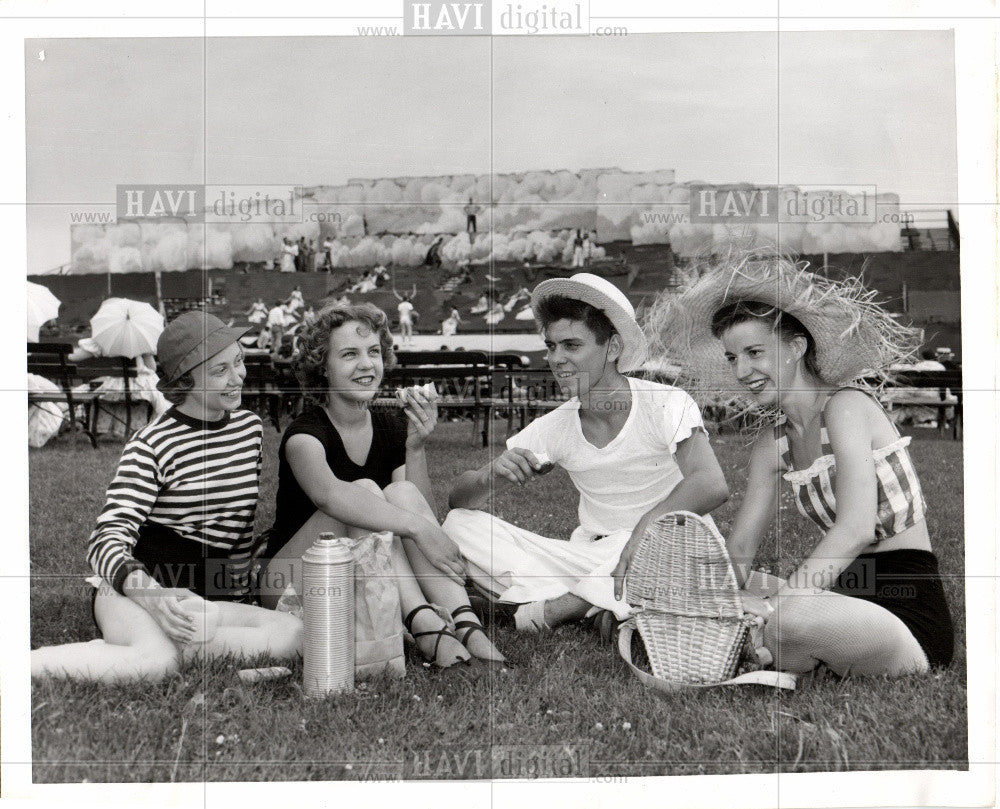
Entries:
{"x":314,"y":344}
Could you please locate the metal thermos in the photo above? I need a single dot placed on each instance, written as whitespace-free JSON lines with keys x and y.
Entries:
{"x":328,"y":617}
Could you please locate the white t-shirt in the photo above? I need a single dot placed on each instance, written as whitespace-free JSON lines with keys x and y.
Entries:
{"x":405,"y":308}
{"x":635,"y":471}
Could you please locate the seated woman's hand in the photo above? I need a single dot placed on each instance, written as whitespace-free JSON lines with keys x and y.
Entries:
{"x":420,"y":407}
{"x":756,"y":605}
{"x":164,"y":604}
{"x":440,"y":551}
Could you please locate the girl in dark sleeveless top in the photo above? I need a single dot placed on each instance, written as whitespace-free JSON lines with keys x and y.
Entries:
{"x":868,"y":599}
{"x":349,"y":469}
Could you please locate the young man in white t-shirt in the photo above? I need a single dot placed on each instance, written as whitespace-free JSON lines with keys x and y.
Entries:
{"x":634,"y":450}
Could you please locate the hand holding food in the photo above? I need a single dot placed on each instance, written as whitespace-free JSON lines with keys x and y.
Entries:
{"x":420,"y":406}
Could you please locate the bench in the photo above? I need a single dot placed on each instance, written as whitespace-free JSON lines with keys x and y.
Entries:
{"x":95,"y":368}
{"x":506,"y":369}
{"x":894,"y":395}
{"x":535,"y":392}
{"x":463,"y":378}
{"x":50,"y":360}
{"x":261,"y":391}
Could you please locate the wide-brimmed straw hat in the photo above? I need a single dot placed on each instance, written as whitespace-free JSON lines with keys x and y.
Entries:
{"x":603,"y":295}
{"x":191,"y":339}
{"x":855,"y":338}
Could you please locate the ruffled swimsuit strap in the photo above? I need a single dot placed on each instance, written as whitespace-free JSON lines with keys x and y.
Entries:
{"x":782,"y":441}
{"x":826,"y":448}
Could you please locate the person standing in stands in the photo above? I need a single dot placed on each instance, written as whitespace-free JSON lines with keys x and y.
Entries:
{"x":406,"y":313}
{"x":578,"y":249}
{"x":328,"y":244}
{"x":289,"y":254}
{"x":470,"y":216}
{"x":300,"y":258}
{"x":276,"y":326}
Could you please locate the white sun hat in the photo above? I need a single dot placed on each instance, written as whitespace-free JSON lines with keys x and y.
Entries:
{"x":605,"y":296}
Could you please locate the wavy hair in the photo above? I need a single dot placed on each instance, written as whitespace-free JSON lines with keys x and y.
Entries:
{"x":559,"y":307}
{"x":176,"y":390}
{"x":314,"y":345}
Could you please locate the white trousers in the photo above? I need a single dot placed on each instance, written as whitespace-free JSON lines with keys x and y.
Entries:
{"x":517,"y":566}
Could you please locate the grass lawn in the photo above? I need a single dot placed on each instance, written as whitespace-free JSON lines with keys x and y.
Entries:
{"x":571,"y":702}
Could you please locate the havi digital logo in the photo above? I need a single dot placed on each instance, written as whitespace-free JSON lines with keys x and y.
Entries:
{"x":425,"y":18}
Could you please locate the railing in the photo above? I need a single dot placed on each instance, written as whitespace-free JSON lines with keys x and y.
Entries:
{"x":928,"y":230}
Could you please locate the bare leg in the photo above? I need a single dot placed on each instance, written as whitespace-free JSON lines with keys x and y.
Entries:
{"x":565,"y":608}
{"x":437,"y":587}
{"x":134,"y":647}
{"x":247,"y":631}
{"x":540,"y":616}
{"x":850,"y":635}
{"x":286,"y":567}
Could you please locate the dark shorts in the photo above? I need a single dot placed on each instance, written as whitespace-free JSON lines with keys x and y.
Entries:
{"x":908,"y":584}
{"x":176,"y":562}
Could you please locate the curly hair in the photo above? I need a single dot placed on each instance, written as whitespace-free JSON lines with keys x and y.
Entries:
{"x":176,"y":390}
{"x":559,"y":307}
{"x":314,"y":344}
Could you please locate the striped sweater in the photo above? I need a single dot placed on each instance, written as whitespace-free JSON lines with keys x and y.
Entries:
{"x":195,"y":481}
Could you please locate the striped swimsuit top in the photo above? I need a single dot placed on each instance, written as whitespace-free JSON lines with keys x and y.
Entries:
{"x":901,"y":502}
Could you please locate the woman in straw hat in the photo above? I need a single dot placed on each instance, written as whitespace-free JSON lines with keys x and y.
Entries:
{"x":868,"y":599}
{"x":173,"y":546}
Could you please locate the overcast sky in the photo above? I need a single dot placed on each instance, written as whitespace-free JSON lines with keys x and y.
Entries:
{"x":827,"y":108}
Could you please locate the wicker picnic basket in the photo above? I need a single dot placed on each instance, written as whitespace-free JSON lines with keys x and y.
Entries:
{"x":689,"y":612}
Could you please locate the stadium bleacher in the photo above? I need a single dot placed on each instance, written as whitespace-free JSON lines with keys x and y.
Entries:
{"x":912,"y":280}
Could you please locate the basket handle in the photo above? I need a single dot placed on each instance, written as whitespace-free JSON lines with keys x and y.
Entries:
{"x":774,"y":679}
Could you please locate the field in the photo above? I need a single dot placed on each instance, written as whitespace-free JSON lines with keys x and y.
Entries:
{"x":569,"y":708}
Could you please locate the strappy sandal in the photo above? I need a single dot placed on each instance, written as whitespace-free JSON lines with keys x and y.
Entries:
{"x":440,"y":633}
{"x":467,"y":627}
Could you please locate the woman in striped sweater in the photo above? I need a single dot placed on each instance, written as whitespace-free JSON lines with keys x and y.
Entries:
{"x":173,"y":546}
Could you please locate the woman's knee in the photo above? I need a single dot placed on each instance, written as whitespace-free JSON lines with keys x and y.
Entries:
{"x":794,"y":623}
{"x":405,"y":494}
{"x":284,"y":635}
{"x":157,"y":659}
{"x":370,"y":485}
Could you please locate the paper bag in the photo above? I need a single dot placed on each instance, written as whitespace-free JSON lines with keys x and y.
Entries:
{"x":378,"y":628}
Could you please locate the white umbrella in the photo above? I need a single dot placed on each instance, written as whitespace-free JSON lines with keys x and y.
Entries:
{"x":43,"y":306}
{"x":126,"y":328}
